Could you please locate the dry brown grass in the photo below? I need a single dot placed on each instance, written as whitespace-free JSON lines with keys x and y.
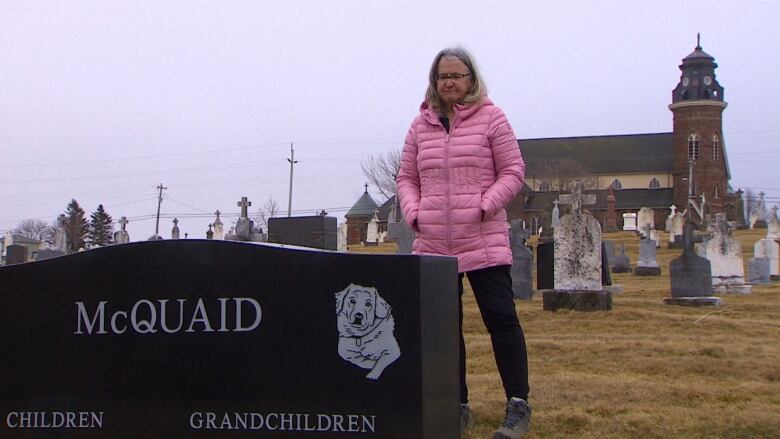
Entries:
{"x":644,"y":369}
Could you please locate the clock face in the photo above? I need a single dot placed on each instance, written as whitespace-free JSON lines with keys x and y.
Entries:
{"x":707,"y":80}
{"x":686,"y":81}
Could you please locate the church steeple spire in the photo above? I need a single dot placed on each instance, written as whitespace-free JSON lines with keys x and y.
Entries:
{"x":697,"y":81}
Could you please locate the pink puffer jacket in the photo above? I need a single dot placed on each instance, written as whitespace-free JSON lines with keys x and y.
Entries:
{"x":446,"y":180}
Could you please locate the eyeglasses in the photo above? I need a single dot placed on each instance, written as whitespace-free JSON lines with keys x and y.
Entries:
{"x":454,"y":76}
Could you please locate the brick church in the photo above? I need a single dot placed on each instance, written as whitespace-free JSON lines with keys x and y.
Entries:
{"x":657,"y":170}
{"x":644,"y":170}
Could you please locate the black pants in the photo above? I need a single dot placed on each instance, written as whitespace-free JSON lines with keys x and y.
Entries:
{"x":493,"y":290}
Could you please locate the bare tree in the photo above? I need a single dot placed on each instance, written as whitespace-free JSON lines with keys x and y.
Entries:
{"x":559,"y":174}
{"x":35,"y":229}
{"x":381,"y":171}
{"x":269,"y":210}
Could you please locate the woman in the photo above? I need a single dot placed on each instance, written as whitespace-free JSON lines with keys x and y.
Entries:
{"x":460,"y":166}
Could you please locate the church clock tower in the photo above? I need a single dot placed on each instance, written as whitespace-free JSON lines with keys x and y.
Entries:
{"x":699,"y":147}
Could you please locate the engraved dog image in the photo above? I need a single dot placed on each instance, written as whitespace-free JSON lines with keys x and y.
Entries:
{"x":366,"y":327}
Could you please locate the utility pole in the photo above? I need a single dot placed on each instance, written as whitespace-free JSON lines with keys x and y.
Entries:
{"x":292,"y":163}
{"x":691,"y":196}
{"x":159,"y":202}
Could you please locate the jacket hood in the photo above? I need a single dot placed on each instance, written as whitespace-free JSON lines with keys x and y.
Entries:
{"x":463,"y":111}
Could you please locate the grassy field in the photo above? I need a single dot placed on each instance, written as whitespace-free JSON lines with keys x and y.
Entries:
{"x":644,"y":369}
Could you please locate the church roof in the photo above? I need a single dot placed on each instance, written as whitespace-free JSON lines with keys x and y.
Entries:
{"x":364,"y":206}
{"x":630,"y":153}
{"x":698,"y":53}
{"x":625,"y":199}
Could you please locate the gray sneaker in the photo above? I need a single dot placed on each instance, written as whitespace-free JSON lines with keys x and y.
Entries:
{"x":517,"y":420}
{"x":466,"y":421}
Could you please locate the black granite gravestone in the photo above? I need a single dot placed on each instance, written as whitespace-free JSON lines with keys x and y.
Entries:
{"x":545,"y":265}
{"x":690,"y":276}
{"x":198,"y":338}
{"x":522,"y":260}
{"x":15,"y":254}
{"x":606,"y":275}
{"x":308,"y":231}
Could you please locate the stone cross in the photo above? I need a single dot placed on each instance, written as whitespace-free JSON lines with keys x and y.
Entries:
{"x":577,"y":199}
{"x":244,"y":204}
{"x":175,"y":222}
{"x":218,"y":213}
{"x":674,"y":209}
{"x":123,"y":223}
{"x":721,"y":226}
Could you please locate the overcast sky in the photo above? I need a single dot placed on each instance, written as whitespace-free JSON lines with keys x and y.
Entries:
{"x":103,"y":100}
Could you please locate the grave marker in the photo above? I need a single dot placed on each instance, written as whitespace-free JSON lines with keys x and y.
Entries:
{"x":184,"y":338}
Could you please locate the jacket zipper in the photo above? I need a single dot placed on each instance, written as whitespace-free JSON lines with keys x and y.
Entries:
{"x":447,"y":182}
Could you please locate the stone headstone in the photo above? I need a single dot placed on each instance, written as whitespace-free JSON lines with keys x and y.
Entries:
{"x":655,"y":235}
{"x":609,"y":247}
{"x":15,"y":254}
{"x":555,"y":216}
{"x":308,"y":231}
{"x":341,"y":237}
{"x":403,"y":235}
{"x":673,"y":210}
{"x":629,"y":221}
{"x":647,"y":265}
{"x":606,"y":275}
{"x":577,"y":264}
{"x":545,"y":265}
{"x":219,"y":227}
{"x":676,"y":226}
{"x":60,"y":236}
{"x":372,"y":230}
{"x":183,"y":338}
{"x":610,"y":224}
{"x":622,"y":262}
{"x":758,"y":271}
{"x":210,"y":233}
{"x":725,"y":256}
{"x":758,"y":216}
{"x":773,"y":225}
{"x":121,"y":236}
{"x":48,"y":253}
{"x":522,"y":260}
{"x":691,"y":277}
{"x":768,"y":248}
{"x":645,"y":221}
{"x":175,"y":230}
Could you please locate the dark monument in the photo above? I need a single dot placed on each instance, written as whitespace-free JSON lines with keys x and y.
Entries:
{"x":199,"y":338}
{"x":15,"y":254}
{"x":690,"y":276}
{"x":545,"y":264}
{"x":306,"y":231}
{"x":522,"y":260}
{"x":622,"y":262}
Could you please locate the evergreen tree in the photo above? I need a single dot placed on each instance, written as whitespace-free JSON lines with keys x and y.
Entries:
{"x":101,"y":228}
{"x":76,"y":226}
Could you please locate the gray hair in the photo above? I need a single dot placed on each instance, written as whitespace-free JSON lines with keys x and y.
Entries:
{"x":477,"y":89}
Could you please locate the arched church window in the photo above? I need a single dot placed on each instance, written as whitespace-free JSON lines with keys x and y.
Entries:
{"x":684,"y":95}
{"x":655,"y":184}
{"x":715,"y":147}
{"x":693,"y":146}
{"x":716,"y":191}
{"x":617,"y":185}
{"x":544,"y":187}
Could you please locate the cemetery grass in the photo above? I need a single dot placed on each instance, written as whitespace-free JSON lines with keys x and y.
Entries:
{"x":644,"y":369}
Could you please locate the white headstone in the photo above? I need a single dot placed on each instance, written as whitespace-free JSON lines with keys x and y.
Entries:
{"x":673,"y":209}
{"x":725,"y":256}
{"x":676,"y":227}
{"x":219,"y":232}
{"x":121,"y":236}
{"x":341,"y":237}
{"x":770,"y":249}
{"x":773,"y":225}
{"x":175,"y":230}
{"x":372,"y":232}
{"x":629,"y":221}
{"x":556,"y":215}
{"x":577,"y":260}
{"x":645,"y":217}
